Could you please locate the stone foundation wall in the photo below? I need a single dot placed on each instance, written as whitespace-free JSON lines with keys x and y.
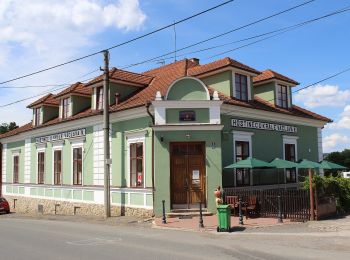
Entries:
{"x":51,"y":207}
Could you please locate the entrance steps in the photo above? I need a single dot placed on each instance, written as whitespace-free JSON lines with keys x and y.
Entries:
{"x":187,"y":213}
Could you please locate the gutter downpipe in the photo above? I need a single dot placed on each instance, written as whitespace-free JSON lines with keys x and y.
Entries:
{"x":148,"y":104}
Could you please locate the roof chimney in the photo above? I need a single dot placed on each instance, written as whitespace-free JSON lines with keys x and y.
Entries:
{"x":117,"y":98}
{"x":195,"y":60}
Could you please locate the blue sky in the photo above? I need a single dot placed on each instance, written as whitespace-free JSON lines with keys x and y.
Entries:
{"x":37,"y":33}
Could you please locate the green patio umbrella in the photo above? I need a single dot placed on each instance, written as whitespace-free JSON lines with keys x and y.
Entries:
{"x":250,"y":163}
{"x":283,"y":164}
{"x":331,"y":166}
{"x":310,"y":165}
{"x":307,"y":164}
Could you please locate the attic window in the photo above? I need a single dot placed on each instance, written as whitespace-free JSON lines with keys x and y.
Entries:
{"x":99,"y":98}
{"x":65,"y":107}
{"x":37,"y":116}
{"x":241,"y":85}
{"x":282,"y":96}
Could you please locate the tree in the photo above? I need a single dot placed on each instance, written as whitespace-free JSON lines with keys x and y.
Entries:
{"x":5,"y":127}
{"x":342,"y":158}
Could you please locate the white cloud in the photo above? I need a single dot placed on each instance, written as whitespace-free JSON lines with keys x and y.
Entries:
{"x":333,"y":141}
{"x":323,"y":95}
{"x":343,"y":122}
{"x":39,"y":33}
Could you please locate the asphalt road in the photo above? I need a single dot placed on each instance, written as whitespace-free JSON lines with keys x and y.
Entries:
{"x":27,"y":238}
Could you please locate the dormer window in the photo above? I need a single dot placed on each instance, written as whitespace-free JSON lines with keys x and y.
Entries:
{"x":99,"y":98}
{"x":241,"y":86}
{"x":37,"y":113}
{"x":282,"y":96}
{"x":65,"y":108}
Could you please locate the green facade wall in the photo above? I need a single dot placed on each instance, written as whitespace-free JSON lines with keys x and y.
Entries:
{"x":187,"y":89}
{"x":172,"y":115}
{"x":120,"y":131}
{"x":123,"y":90}
{"x":80,"y":104}
{"x":11,"y":149}
{"x":221,"y":82}
{"x":49,"y":113}
{"x":267,"y":145}
{"x":266,"y":92}
{"x":162,"y":164}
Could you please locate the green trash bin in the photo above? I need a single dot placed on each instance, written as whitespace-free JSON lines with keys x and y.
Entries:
{"x":224,"y":218}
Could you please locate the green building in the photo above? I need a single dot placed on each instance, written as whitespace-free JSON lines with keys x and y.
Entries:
{"x":173,"y":130}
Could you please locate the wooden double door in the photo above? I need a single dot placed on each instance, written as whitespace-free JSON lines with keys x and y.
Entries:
{"x":187,"y":171}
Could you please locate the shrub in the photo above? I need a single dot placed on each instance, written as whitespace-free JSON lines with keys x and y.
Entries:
{"x":332,"y":186}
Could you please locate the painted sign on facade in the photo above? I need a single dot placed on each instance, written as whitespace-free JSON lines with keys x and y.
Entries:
{"x":61,"y":136}
{"x":263,"y":125}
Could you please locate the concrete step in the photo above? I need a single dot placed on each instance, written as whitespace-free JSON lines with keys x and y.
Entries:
{"x":186,"y":213}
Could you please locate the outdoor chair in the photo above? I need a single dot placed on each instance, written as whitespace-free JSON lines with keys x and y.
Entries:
{"x":233,"y":202}
{"x":251,"y":206}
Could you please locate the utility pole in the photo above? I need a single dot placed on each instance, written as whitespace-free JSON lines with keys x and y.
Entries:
{"x":107,"y":159}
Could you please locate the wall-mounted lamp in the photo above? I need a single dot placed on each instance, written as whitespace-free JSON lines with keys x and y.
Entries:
{"x":162,"y":138}
{"x":188,"y":136}
{"x":213,"y":145}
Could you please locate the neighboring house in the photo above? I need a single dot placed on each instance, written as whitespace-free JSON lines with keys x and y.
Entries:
{"x":173,"y":130}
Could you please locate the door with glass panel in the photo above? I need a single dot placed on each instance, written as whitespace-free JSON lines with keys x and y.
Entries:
{"x":187,"y":174}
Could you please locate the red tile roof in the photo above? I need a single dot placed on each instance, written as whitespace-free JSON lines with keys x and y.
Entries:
{"x":270,"y":74}
{"x":77,"y":88}
{"x":126,"y":76}
{"x":160,"y":79}
{"x":49,"y":100}
{"x":219,"y":64}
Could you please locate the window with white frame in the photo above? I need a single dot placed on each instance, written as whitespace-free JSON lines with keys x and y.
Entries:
{"x":99,"y":98}
{"x":37,"y":115}
{"x":77,"y":165}
{"x":65,"y":108}
{"x":15,"y":168}
{"x":241,"y":87}
{"x":242,"y":142}
{"x":136,"y":160}
{"x":290,"y":154}
{"x":282,"y":96}
{"x":41,"y":167}
{"x":57,"y":167}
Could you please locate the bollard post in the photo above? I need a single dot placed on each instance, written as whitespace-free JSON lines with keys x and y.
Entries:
{"x":279,"y":210}
{"x":164,"y":217}
{"x":240,"y":211}
{"x":200,"y":216}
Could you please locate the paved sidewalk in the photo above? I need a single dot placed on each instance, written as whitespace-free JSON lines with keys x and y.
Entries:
{"x":210,"y":223}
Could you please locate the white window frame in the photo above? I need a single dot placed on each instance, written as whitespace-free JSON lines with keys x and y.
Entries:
{"x":289,"y":98}
{"x":16,"y":153}
{"x":249,"y":88}
{"x":77,"y":144}
{"x":132,"y":138}
{"x":69,"y":112}
{"x":242,"y":136}
{"x":291,"y":139}
{"x":57,"y":147}
{"x":40,"y":149}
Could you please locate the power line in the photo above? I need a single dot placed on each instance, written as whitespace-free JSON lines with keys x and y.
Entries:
{"x":221,"y":34}
{"x":322,"y":80}
{"x":318,"y":82}
{"x":275,"y":32}
{"x":49,"y":85}
{"x":120,"y":44}
{"x":41,"y":93}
